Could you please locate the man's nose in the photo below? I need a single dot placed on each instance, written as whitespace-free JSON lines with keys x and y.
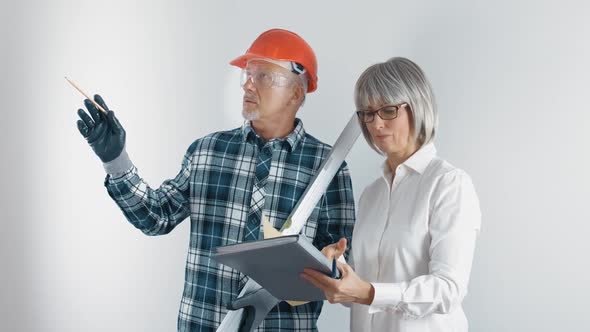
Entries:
{"x":248,"y":85}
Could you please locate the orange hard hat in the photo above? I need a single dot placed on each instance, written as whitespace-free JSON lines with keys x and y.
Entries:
{"x":280,"y":44}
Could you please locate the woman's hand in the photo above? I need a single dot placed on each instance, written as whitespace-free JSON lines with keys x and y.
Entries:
{"x":335,"y":250}
{"x":349,"y":288}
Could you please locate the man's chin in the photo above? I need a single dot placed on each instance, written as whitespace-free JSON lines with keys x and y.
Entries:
{"x":250,"y":115}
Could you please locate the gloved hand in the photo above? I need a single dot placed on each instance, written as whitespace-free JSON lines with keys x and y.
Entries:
{"x":103,"y":132}
{"x":256,"y":306}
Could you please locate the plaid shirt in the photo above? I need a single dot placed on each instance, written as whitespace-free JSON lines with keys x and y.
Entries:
{"x":214,"y":188}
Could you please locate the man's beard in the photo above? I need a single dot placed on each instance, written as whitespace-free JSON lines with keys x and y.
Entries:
{"x":250,"y":115}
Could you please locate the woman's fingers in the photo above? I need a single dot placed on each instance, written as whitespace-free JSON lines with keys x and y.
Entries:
{"x":317,"y":278}
{"x":340,"y":247}
{"x":335,"y":250}
{"x":312,"y":280}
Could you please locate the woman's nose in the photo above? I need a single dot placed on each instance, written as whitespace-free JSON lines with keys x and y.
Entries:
{"x":377,"y":122}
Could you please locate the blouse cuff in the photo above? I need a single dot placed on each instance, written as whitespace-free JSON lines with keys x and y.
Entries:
{"x":387,"y":295}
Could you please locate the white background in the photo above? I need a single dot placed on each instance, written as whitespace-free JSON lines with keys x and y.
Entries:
{"x":511,"y":79}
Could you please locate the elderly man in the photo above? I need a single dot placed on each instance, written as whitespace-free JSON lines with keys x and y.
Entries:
{"x":228,"y":178}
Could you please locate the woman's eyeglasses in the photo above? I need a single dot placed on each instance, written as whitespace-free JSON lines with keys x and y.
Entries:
{"x":386,"y":112}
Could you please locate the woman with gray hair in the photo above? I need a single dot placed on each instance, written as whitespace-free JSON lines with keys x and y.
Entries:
{"x":417,"y":223}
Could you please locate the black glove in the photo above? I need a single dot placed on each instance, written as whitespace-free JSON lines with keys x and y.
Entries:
{"x":256,"y":306}
{"x":103,"y":132}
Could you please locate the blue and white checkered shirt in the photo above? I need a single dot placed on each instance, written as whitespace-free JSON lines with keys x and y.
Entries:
{"x":214,"y":188}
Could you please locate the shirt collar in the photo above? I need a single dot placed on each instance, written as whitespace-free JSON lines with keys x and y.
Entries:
{"x":292,"y":140}
{"x":418,"y":161}
{"x":421,"y":158}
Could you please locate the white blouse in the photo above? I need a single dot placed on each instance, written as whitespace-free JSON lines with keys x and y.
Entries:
{"x":414,"y":240}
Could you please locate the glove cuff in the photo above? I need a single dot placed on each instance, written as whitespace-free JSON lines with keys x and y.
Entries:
{"x":119,"y":165}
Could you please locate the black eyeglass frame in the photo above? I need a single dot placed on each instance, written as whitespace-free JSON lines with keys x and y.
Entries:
{"x":364,"y":113}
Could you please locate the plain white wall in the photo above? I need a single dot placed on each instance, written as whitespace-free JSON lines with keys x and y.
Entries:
{"x":511,"y":79}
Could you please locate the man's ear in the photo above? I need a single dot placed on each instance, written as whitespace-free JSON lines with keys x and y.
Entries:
{"x":297,"y":95}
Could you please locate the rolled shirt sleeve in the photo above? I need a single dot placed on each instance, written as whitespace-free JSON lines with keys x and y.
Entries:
{"x":153,"y":211}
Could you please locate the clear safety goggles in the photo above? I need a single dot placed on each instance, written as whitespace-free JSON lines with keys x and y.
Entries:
{"x":264,"y":78}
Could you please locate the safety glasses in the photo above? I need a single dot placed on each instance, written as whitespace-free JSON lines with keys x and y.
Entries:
{"x":264,"y":78}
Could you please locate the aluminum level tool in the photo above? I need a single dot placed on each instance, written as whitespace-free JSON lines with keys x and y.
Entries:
{"x":294,"y":224}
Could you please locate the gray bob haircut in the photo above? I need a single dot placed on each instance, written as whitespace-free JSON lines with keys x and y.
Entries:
{"x":397,"y":81}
